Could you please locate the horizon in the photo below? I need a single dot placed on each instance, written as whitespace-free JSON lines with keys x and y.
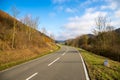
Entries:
{"x":66,"y":19}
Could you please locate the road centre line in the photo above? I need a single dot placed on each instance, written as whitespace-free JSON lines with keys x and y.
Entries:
{"x":31,"y":76}
{"x":64,"y":52}
{"x":54,"y":61}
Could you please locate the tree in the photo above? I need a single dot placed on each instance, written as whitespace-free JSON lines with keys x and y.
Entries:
{"x":43,"y":30}
{"x":102,"y":26}
{"x":15,"y":13}
{"x":52,"y":36}
{"x":105,"y":42}
{"x":103,"y":23}
{"x":32,"y":25}
{"x":84,"y":40}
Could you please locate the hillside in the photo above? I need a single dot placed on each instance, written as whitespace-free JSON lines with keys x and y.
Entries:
{"x":6,"y":25}
{"x":23,"y":48}
{"x":106,"y":44}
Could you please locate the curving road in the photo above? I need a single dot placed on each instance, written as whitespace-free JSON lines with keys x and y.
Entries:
{"x":65,"y":64}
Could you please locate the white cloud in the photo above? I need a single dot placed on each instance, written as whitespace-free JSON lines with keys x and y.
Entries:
{"x":79,"y":25}
{"x":111,"y":5}
{"x":83,"y":21}
{"x":117,"y":13}
{"x":89,"y":10}
{"x":70,"y":10}
{"x":88,"y":2}
{"x":84,"y":24}
{"x":64,"y":35}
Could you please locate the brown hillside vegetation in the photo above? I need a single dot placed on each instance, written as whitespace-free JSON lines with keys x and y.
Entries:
{"x":23,"y":48}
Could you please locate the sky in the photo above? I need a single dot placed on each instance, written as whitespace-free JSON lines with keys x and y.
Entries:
{"x":66,"y":19}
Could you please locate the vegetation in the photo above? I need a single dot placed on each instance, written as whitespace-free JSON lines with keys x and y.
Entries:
{"x":19,"y":56}
{"x":96,"y":69}
{"x":20,"y":41}
{"x":15,"y":13}
{"x":105,"y":41}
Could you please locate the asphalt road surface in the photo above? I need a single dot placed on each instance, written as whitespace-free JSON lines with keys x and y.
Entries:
{"x":65,"y":64}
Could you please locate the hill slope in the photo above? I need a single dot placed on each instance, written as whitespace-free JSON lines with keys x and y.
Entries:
{"x":23,"y":48}
{"x":21,"y":38}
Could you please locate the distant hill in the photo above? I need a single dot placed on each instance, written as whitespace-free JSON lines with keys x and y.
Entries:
{"x":90,"y":35}
{"x":118,"y":31}
{"x":60,"y":41}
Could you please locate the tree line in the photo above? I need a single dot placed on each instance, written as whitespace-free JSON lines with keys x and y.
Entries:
{"x":105,"y":41}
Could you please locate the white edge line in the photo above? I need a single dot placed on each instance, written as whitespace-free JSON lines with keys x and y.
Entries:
{"x":85,"y":69}
{"x":31,"y":76}
{"x":54,"y":61}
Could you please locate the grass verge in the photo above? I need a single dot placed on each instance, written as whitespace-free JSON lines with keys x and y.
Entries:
{"x":96,"y":69}
{"x":12,"y":63}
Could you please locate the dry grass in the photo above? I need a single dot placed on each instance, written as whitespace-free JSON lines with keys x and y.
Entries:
{"x":97,"y":70}
{"x":14,"y":57}
{"x":26,"y":44}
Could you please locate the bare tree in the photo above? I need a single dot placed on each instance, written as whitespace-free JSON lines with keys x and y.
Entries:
{"x":35,"y":23}
{"x":52,"y":36}
{"x":32,"y":25}
{"x":43,"y":30}
{"x":103,"y":23}
{"x":103,"y":31}
{"x":15,"y":13}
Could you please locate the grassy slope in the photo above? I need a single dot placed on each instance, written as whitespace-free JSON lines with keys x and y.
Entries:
{"x":20,"y":56}
{"x":97,"y":70}
{"x":24,"y":49}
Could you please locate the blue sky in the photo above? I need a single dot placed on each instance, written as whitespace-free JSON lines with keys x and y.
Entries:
{"x":66,"y":18}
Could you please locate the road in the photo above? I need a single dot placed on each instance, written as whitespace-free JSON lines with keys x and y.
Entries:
{"x":65,"y":64}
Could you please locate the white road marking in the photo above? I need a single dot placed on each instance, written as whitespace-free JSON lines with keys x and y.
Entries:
{"x":54,"y":61}
{"x":31,"y":76}
{"x":63,"y":53}
{"x":86,"y":73}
